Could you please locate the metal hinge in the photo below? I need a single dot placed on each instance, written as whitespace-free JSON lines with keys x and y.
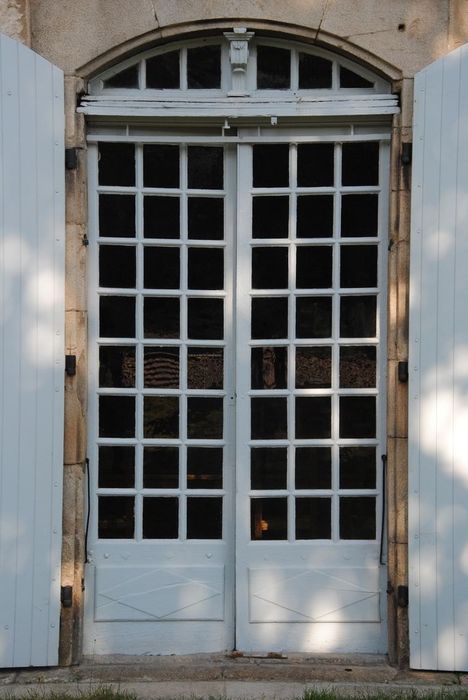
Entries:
{"x":402,"y":596}
{"x":403,"y":372}
{"x":66,"y":596}
{"x":406,"y":153}
{"x":71,"y":158}
{"x":70,"y":365}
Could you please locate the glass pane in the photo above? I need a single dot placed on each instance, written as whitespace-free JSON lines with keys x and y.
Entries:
{"x":313,"y":368}
{"x":357,"y":518}
{"x":273,"y":68}
{"x":269,"y":418}
{"x":269,"y":518}
{"x":206,"y":319}
{"x":116,"y":164}
{"x":314,"y":267}
{"x":313,"y":417}
{"x":205,"y":268}
{"x":270,"y":217}
{"x":269,"y":368}
{"x":358,"y":317}
{"x":117,"y":266}
{"x":117,"y":317}
{"x":314,"y":72}
{"x":204,"y":67}
{"x":313,"y":518}
{"x":358,"y":366}
{"x":161,"y":267}
{"x":268,"y":467}
{"x":313,"y":468}
{"x":116,"y":366}
{"x":358,"y":266}
{"x":205,"y":368}
{"x":271,"y":165}
{"x":270,"y":317}
{"x":162,"y":72}
{"x":117,"y":215}
{"x":117,"y":416}
{"x":161,"y":217}
{"x":161,"y":518}
{"x":357,"y":417}
{"x":116,"y":467}
{"x":127,"y":78}
{"x":315,"y":216}
{"x":315,"y":164}
{"x":161,"y":317}
{"x":161,"y":416}
{"x":160,"y":165}
{"x":204,"y":518}
{"x":357,"y":468}
{"x":269,"y":268}
{"x":350,"y":79}
{"x":204,"y":418}
{"x":360,"y":163}
{"x":205,"y":167}
{"x":116,"y":517}
{"x":160,"y":467}
{"x":359,"y":215}
{"x":204,"y":467}
{"x":206,"y":218}
{"x":313,"y":317}
{"x":161,"y":367}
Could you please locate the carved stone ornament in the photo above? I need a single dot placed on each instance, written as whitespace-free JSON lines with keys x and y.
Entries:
{"x":239,"y":55}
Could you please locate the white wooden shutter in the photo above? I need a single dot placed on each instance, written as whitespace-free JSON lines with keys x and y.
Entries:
{"x":438,"y":398}
{"x":31,"y":354}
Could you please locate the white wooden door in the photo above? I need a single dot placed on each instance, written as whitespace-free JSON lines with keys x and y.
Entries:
{"x":256,"y":301}
{"x":438,"y":392}
{"x":31,"y":354}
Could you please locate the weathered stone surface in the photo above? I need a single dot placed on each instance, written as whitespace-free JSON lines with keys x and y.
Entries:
{"x":14,"y":19}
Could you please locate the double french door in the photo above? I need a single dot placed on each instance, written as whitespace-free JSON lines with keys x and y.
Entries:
{"x":236,"y":403}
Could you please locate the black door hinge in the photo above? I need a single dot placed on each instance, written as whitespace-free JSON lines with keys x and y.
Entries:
{"x":70,"y":365}
{"x":66,"y":596}
{"x":71,"y":158}
{"x":403,"y":372}
{"x":406,"y":153}
{"x":402,"y":596}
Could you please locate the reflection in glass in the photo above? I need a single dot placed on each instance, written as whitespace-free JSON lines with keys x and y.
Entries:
{"x":269,"y":518}
{"x":205,"y":268}
{"x":350,"y":79}
{"x":360,"y":163}
{"x":273,"y":68}
{"x":269,"y":420}
{"x":314,"y":267}
{"x":313,"y":417}
{"x":358,"y":266}
{"x":117,"y":416}
{"x":313,"y":317}
{"x":359,"y":215}
{"x":206,"y":218}
{"x":205,"y":167}
{"x":313,"y":367}
{"x":160,"y":165}
{"x":270,"y":317}
{"x":357,"y":417}
{"x":315,"y":164}
{"x":116,"y":366}
{"x":161,"y":416}
{"x":313,"y":468}
{"x":204,"y":467}
{"x":161,"y":518}
{"x":269,"y":367}
{"x":160,"y":467}
{"x":117,"y":215}
{"x":161,"y":317}
{"x":161,"y":217}
{"x":315,"y":216}
{"x":205,"y":368}
{"x":204,"y":518}
{"x":127,"y":78}
{"x":161,"y":267}
{"x":268,"y":467}
{"x":270,"y":217}
{"x":116,"y":317}
{"x":204,"y":418}
{"x":271,"y":165}
{"x":314,"y":72}
{"x":204,"y":67}
{"x":116,"y":164}
{"x":116,"y":466}
{"x":357,"y":366}
{"x":161,"y":367}
{"x":117,"y":266}
{"x":116,"y":517}
{"x":205,"y":319}
{"x":357,"y":518}
{"x":162,"y":72}
{"x":313,"y":518}
{"x":269,"y":268}
{"x":357,"y":467}
{"x":358,"y":316}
